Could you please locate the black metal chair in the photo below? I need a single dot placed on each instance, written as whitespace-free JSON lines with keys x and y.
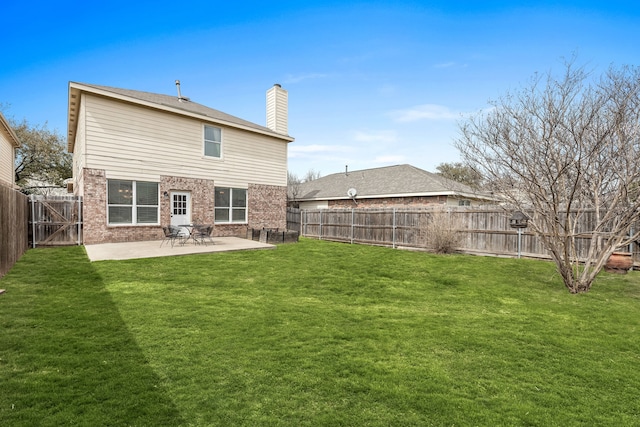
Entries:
{"x":171,"y":233}
{"x":202,"y":233}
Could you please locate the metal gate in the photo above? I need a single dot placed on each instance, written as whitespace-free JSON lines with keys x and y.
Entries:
{"x":55,"y":220}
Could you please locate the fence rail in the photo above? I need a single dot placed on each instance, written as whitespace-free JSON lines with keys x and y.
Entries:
{"x":14,"y":217}
{"x":482,"y":230}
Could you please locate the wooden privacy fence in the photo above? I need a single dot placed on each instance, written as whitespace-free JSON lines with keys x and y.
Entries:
{"x":55,"y":220}
{"x":483,"y":230}
{"x":14,"y":217}
{"x":293,"y":219}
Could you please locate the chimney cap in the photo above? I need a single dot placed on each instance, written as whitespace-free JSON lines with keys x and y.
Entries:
{"x":277,"y":85}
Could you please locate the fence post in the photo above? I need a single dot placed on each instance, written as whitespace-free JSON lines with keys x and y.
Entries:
{"x":33,"y":221}
{"x":320,"y":227}
{"x":79,"y":223}
{"x":352,"y":223}
{"x":393,"y":229}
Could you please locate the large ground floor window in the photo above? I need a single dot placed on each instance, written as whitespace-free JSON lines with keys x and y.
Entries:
{"x":230,"y":205}
{"x":132,"y":202}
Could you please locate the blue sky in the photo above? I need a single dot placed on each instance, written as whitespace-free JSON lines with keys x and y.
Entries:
{"x":370,"y":83}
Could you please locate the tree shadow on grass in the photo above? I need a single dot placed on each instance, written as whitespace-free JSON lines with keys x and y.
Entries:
{"x":66,"y":355}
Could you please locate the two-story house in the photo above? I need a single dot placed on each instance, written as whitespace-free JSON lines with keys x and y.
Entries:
{"x":8,"y":144}
{"x":143,"y":160}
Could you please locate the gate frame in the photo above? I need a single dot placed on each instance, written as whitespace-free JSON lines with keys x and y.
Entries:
{"x":62,"y":220}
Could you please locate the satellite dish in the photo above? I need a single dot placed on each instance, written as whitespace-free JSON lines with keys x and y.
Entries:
{"x":352,"y":192}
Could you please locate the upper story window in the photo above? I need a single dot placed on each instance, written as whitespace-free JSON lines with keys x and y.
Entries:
{"x":464,"y":202}
{"x":212,"y":141}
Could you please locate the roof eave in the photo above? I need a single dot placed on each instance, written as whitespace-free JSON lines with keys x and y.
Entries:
{"x":72,"y":116}
{"x":13,"y":138}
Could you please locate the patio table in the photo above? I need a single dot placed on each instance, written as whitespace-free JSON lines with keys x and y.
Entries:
{"x":189,"y":228}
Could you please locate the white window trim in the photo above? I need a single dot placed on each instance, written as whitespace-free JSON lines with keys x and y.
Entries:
{"x":230,"y":207}
{"x":204,"y":126}
{"x":133,"y":206}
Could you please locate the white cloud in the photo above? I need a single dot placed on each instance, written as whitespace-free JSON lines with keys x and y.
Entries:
{"x":424,"y":112}
{"x":302,"y":150}
{"x":391,"y":159}
{"x":450,"y":65}
{"x":387,"y":90}
{"x":376,"y":136}
{"x":290,"y":79}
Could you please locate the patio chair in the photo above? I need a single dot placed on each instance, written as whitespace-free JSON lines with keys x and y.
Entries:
{"x":171,"y":234}
{"x":202,"y":233}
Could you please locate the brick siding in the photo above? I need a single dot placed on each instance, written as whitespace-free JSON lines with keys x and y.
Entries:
{"x":202,"y":198}
{"x":266,"y":204}
{"x":388,"y":202}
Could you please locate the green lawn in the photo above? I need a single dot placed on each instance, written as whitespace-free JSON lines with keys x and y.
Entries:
{"x":313,"y":334}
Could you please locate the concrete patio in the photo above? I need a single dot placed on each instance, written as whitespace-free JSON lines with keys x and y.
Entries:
{"x":151,"y":249}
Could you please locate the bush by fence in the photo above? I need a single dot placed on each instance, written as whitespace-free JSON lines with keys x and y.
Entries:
{"x":14,"y":220}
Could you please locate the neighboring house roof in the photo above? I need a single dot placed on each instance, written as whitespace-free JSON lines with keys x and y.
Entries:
{"x":182,"y":106}
{"x":391,"y":181}
{"x":9,"y":132}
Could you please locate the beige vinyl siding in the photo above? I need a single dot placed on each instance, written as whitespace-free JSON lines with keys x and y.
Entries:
{"x":7,"y":175}
{"x":133,"y":142}
{"x":277,"y":109}
{"x":79,"y":150}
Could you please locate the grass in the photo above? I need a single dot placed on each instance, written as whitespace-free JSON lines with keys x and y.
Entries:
{"x":313,"y":334}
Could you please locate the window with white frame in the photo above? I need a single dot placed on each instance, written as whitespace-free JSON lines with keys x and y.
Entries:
{"x":212,"y":141}
{"x":132,"y":202}
{"x":464,"y":202}
{"x":230,"y":205}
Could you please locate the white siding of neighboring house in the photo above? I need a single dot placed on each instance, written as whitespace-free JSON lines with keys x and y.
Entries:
{"x":453,"y":201}
{"x":133,"y":142}
{"x":320,"y":204}
{"x":7,"y":175}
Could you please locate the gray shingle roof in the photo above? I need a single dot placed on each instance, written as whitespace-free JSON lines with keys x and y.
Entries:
{"x":189,"y":106}
{"x":382,"y":182}
{"x":170,"y":102}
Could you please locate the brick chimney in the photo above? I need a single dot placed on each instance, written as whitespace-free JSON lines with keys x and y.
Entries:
{"x":277,"y":109}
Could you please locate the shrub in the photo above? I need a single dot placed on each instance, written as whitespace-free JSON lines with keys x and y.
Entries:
{"x":442,"y":231}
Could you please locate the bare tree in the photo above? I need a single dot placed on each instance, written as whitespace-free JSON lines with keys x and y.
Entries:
{"x":460,"y":172}
{"x":41,"y":158}
{"x":566,"y":150}
{"x":311,"y":175}
{"x":293,"y":186}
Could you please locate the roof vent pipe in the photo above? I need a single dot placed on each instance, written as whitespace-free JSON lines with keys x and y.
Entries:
{"x":180,"y":97}
{"x":346,"y":170}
